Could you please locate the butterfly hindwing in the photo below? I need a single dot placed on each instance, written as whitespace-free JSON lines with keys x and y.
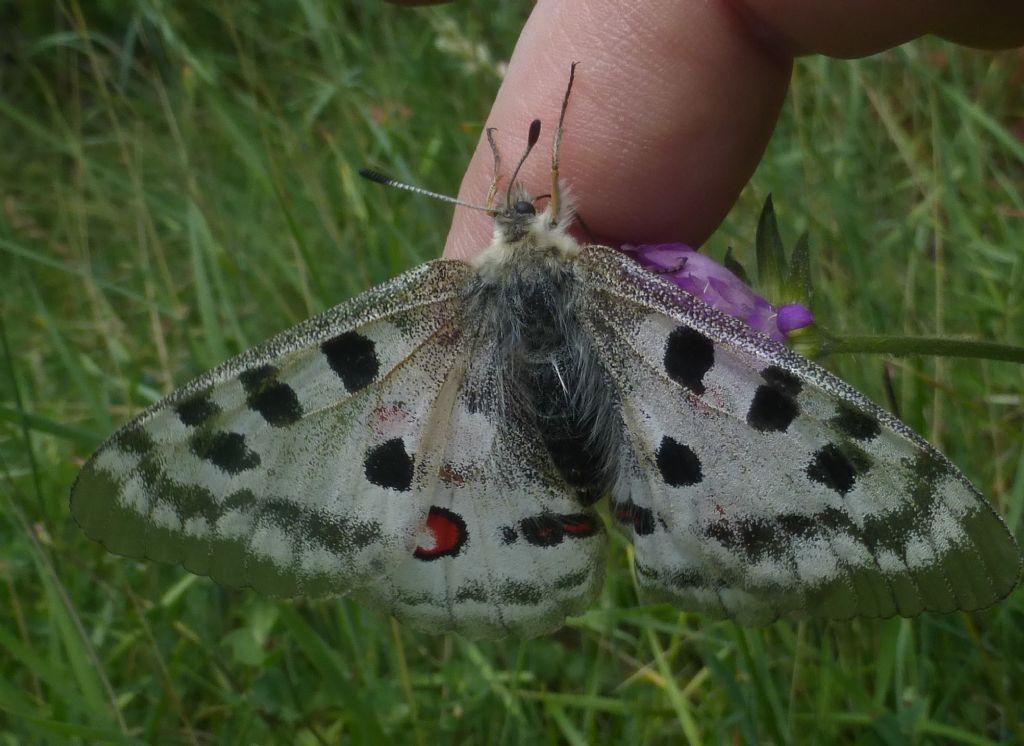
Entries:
{"x":757,"y":485}
{"x":507,"y":548}
{"x":294,"y":467}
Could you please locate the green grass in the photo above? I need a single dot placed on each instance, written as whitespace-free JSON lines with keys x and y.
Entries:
{"x":177,"y":185}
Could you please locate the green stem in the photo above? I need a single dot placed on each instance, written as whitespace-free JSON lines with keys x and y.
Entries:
{"x":934,"y":346}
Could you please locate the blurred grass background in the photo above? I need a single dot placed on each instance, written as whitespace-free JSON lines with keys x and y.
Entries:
{"x":177,"y":182}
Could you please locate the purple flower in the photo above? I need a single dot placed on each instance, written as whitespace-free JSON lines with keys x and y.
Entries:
{"x":791,"y":316}
{"x":705,"y":278}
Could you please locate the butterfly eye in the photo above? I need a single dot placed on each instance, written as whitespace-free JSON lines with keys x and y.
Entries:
{"x":522,"y":207}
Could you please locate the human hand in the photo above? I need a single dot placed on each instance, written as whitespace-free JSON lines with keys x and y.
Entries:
{"x":675,"y":100}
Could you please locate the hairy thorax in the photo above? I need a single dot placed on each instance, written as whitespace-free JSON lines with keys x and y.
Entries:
{"x":522,"y":306}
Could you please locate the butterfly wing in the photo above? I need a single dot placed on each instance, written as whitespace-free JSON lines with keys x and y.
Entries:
{"x":758,"y":485}
{"x":507,"y":548}
{"x":294,"y":468}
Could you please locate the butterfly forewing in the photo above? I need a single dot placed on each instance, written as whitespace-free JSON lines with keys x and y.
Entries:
{"x":756,"y":484}
{"x":291,"y":468}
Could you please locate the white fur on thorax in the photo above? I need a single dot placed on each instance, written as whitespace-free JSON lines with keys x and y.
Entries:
{"x":543,"y":235}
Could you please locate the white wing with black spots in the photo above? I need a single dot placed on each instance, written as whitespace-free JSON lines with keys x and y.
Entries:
{"x":295,"y":467}
{"x":507,"y":547}
{"x":758,"y":485}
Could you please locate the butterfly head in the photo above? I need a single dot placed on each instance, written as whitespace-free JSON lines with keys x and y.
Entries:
{"x":519,"y":214}
{"x":520,"y":231}
{"x":525,"y":233}
{"x":524,"y":207}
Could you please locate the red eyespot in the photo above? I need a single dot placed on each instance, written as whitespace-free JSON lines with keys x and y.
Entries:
{"x":443,"y":536}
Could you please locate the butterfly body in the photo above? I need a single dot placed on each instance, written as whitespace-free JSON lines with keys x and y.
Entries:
{"x":523,"y":307}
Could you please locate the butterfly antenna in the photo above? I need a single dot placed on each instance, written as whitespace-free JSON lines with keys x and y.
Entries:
{"x":493,"y":190}
{"x":556,"y":194}
{"x":531,"y":140}
{"x":379,"y":178}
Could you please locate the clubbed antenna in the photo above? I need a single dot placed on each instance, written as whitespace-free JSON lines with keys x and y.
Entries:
{"x":493,"y":189}
{"x":531,"y":140}
{"x":556,"y":201}
{"x":379,"y":178}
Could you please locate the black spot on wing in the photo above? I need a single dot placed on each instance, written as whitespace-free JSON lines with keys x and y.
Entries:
{"x":472,"y":591}
{"x":782,"y":379}
{"x":550,"y":529}
{"x":771,"y":410}
{"x":797,"y":525}
{"x":755,"y":537}
{"x":678,"y":464}
{"x":926,"y":469}
{"x":832,"y":469}
{"x":774,"y":406}
{"x":690,"y":579}
{"x":855,"y":422}
{"x":689,"y":355}
{"x":224,"y":450}
{"x":543,"y":530}
{"x":134,"y":439}
{"x":895,"y":529}
{"x":518,"y":592}
{"x":837,"y":467}
{"x":258,"y":378}
{"x":685,"y":579}
{"x":277,"y":402}
{"x":336,"y":534}
{"x":639,"y":518}
{"x":771,"y":537}
{"x":571,"y":580}
{"x":353,"y":358}
{"x":836,"y":521}
{"x":578,"y":525}
{"x":243,"y":499}
{"x":645,"y":571}
{"x":197,"y":409}
{"x":186,"y":500}
{"x":760,"y":538}
{"x":388,"y":465}
{"x":302,"y":525}
{"x":191,"y":502}
{"x":281,"y":513}
{"x":721,"y":531}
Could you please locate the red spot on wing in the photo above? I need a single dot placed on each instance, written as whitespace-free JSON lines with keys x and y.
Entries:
{"x":448,"y":534}
{"x":578,"y":525}
{"x":549,"y":529}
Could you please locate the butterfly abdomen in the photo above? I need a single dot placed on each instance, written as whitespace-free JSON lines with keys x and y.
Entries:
{"x":548,"y":375}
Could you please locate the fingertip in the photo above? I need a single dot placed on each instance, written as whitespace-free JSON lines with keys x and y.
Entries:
{"x":672,"y":107}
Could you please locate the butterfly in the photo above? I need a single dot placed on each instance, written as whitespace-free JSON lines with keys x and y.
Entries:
{"x":437,"y":448}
